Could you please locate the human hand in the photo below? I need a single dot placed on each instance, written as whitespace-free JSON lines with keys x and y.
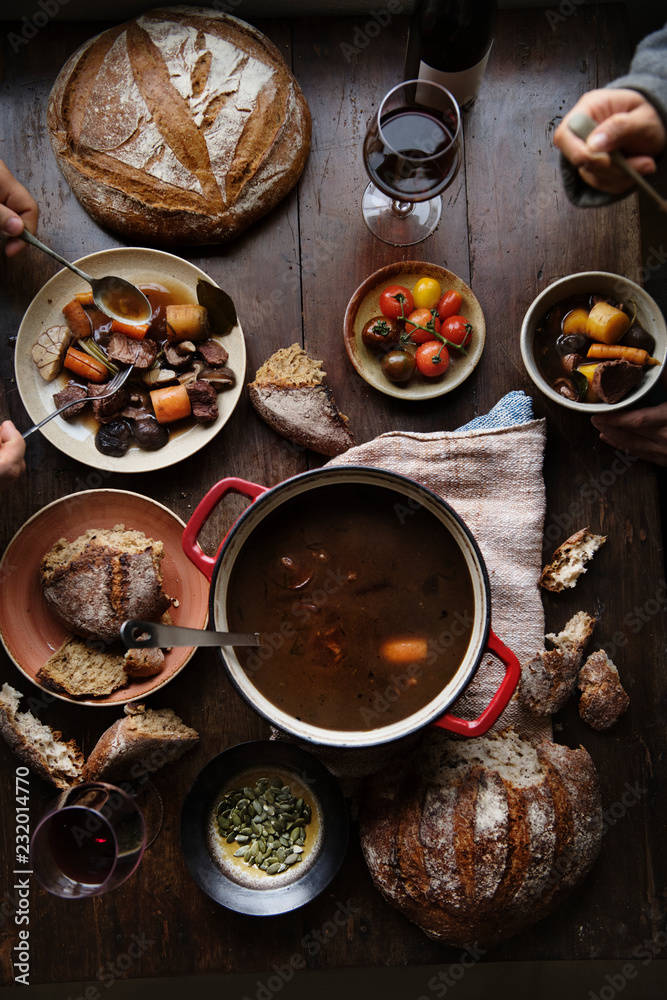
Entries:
{"x":18,"y":210}
{"x":12,"y":450}
{"x":628,"y":122}
{"x":641,"y":432}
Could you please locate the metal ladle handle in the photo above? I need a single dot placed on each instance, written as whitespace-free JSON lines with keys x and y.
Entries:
{"x":137,"y":634}
{"x":29,"y":238}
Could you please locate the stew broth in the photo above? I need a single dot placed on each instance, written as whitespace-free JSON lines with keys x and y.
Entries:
{"x":333,"y":580}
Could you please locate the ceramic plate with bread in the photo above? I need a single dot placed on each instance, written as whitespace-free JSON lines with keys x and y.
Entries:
{"x":76,"y":438}
{"x":30,"y":631}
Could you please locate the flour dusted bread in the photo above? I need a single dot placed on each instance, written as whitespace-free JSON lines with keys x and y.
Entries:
{"x":182,"y":126}
{"x":290,"y":395}
{"x":475,"y":840}
{"x":548,"y":680}
{"x":143,"y":741}
{"x":603,"y":698}
{"x":105,"y":576}
{"x":39,"y":747}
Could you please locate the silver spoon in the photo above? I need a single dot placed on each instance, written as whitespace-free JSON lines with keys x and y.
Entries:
{"x":137,"y":634}
{"x":582,"y":125}
{"x":115,"y":297}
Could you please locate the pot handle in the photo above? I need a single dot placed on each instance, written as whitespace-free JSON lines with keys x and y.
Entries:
{"x":480,"y":725}
{"x":206,"y":564}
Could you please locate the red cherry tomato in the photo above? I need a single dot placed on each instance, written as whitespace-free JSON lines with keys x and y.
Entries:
{"x":419,"y":318}
{"x":448,"y":304}
{"x":432,"y":358}
{"x":457,"y":330}
{"x":396,"y":302}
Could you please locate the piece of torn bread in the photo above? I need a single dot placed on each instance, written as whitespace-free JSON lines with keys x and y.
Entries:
{"x":83,"y":670}
{"x":141,"y":742}
{"x":569,"y":560}
{"x":549,"y":678}
{"x":37,"y":745}
{"x":603,"y":697}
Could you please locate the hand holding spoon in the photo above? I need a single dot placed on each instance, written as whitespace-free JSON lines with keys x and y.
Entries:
{"x":582,"y":125}
{"x":115,"y":297}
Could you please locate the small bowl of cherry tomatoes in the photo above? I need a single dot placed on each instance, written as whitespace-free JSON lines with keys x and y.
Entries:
{"x":414,"y":330}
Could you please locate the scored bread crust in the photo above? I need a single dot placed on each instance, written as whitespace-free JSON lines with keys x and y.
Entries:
{"x":41,"y":748}
{"x":103,"y":578}
{"x":184,"y":125}
{"x":141,"y":742}
{"x":476,"y":840}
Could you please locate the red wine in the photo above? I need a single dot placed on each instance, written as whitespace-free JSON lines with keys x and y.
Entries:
{"x":82,"y":845}
{"x":413,"y":162}
{"x":449,"y":42}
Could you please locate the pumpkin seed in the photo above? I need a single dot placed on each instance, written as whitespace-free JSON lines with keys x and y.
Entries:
{"x":275,"y":867}
{"x":297,"y":850}
{"x":291,"y":858}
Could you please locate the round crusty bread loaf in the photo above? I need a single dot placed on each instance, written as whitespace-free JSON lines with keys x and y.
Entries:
{"x":102,"y":578}
{"x":475,"y":840}
{"x":182,"y":126}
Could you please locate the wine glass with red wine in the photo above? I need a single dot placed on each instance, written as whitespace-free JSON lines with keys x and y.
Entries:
{"x":412,"y":152}
{"x":89,"y":842}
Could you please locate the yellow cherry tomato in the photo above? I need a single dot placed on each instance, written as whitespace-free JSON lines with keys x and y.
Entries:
{"x":426,"y":293}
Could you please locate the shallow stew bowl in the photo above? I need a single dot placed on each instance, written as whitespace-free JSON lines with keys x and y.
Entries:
{"x":406,"y":496}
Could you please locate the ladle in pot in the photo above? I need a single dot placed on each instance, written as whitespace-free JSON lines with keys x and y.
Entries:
{"x":137,"y":634}
{"x":115,"y":297}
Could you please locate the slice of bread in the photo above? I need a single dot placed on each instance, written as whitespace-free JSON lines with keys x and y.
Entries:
{"x":569,"y":560}
{"x":603,"y":697}
{"x":141,"y":742}
{"x":37,"y":745}
{"x":290,"y":395}
{"x":81,"y":669}
{"x":105,"y":576}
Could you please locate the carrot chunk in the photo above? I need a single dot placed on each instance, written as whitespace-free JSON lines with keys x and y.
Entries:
{"x":137,"y":331}
{"x":77,"y":320}
{"x":171,"y":403}
{"x":85,"y":366}
{"x":404,"y":649}
{"x":635,"y":355}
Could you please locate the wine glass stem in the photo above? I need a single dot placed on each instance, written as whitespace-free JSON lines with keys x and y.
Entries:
{"x":401,"y":209}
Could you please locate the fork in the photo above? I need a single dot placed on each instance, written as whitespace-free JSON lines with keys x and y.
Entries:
{"x":116,"y":382}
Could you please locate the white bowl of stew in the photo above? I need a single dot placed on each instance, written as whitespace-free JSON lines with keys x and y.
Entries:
{"x":542,"y":326}
{"x":371,"y":598}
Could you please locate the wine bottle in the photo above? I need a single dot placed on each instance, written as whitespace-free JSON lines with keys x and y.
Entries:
{"x":449,"y":42}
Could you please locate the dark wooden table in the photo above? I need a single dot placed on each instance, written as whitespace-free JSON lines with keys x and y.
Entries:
{"x":508,"y":230}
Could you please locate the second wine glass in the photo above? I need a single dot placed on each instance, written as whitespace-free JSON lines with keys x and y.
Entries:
{"x":412,"y":153}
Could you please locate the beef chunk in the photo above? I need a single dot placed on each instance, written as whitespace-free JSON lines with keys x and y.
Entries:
{"x":212,"y":353}
{"x":140,"y":353}
{"x":107,"y":409}
{"x":203,"y":401}
{"x":613,"y":380}
{"x":66,"y":395}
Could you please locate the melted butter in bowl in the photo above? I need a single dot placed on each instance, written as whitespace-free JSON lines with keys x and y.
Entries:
{"x":271,"y":835}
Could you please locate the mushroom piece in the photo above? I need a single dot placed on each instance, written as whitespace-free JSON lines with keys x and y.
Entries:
{"x":193,"y":373}
{"x":158,"y":376}
{"x":49,"y":351}
{"x":220,"y":378}
{"x":178,"y":355}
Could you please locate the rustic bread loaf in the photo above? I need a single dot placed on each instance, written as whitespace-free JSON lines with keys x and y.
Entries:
{"x":181,"y":126}
{"x":569,"y":560}
{"x":143,"y":741}
{"x":38,"y":746}
{"x":83,"y":671}
{"x":95,"y":583}
{"x":475,"y":840}
{"x":290,"y":395}
{"x":603,"y":698}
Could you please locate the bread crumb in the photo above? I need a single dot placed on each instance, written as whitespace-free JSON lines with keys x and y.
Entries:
{"x":603,"y":697}
{"x":569,"y":560}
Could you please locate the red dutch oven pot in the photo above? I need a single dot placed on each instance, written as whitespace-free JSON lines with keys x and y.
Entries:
{"x":218,"y":570}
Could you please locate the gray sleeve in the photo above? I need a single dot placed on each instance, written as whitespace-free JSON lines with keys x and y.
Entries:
{"x":648,"y":75}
